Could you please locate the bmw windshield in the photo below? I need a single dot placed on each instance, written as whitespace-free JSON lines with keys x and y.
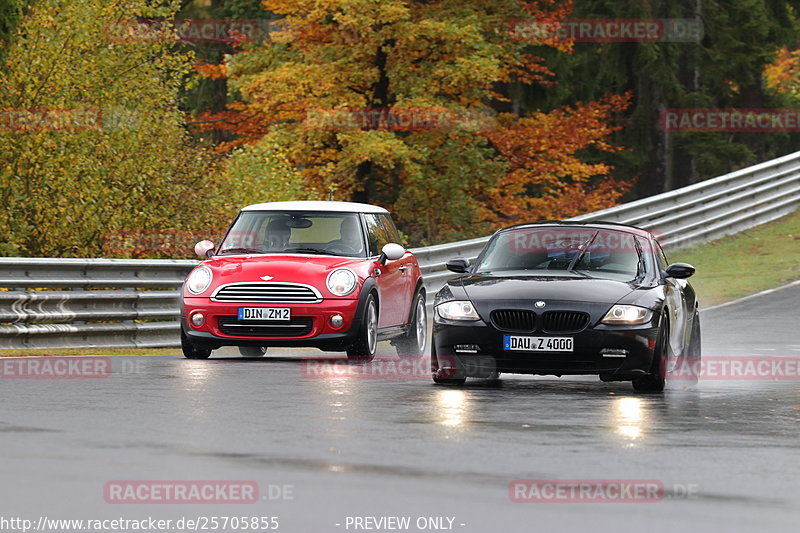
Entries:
{"x":269,"y":232}
{"x":564,"y":252}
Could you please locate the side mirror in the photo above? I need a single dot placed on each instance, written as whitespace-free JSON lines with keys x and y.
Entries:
{"x":458,"y":265}
{"x":680,"y":270}
{"x":204,"y":248}
{"x":392,"y":252}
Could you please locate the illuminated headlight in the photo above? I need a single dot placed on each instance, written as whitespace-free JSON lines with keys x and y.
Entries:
{"x":457,"y":310}
{"x":627,"y":314}
{"x":199,"y":280}
{"x":341,"y":282}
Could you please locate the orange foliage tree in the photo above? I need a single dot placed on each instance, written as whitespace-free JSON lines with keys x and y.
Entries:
{"x":390,"y":102}
{"x":546,"y":178}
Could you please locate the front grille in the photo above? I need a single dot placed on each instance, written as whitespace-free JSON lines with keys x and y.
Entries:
{"x":514,"y":320}
{"x":296,"y":327}
{"x":564,"y":321}
{"x":267,"y":293}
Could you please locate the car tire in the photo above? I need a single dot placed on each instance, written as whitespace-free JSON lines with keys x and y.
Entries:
{"x":689,"y":363}
{"x":414,"y":342}
{"x":656,"y":379}
{"x":363,"y":350}
{"x":436,"y":373}
{"x":253,"y":351}
{"x":190,"y":351}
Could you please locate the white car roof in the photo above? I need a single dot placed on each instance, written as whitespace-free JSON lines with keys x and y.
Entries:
{"x":338,"y":207}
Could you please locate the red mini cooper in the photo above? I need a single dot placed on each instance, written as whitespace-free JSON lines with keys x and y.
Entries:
{"x":329,"y":275}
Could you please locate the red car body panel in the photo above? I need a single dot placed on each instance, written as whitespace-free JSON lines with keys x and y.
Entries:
{"x":394,"y":282}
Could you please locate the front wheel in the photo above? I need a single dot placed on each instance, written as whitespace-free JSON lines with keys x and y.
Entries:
{"x":654,"y":382}
{"x":688,"y":368}
{"x":367,"y":340}
{"x":414,"y":342}
{"x":441,"y":376}
{"x":190,"y":351}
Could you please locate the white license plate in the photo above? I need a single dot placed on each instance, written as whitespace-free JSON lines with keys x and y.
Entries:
{"x":265,"y":313}
{"x":514,"y":343}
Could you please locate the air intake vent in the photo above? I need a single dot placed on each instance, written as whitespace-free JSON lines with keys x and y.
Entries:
{"x":564,"y":321}
{"x":297,"y":327}
{"x":514,"y":320}
{"x":267,"y":293}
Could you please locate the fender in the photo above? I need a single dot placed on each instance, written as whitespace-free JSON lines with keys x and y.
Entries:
{"x":417,"y":289}
{"x":370,"y":285}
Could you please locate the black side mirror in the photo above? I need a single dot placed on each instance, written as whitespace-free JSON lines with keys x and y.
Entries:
{"x":458,"y":265}
{"x":680,"y":270}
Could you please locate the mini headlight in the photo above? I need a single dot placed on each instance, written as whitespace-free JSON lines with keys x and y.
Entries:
{"x":341,"y":282}
{"x":199,"y":280}
{"x":627,"y":314}
{"x":457,"y":310}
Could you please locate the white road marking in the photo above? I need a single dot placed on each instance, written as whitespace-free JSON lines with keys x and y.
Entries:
{"x":756,"y":295}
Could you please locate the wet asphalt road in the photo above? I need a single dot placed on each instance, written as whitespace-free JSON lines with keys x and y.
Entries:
{"x":322,"y":449}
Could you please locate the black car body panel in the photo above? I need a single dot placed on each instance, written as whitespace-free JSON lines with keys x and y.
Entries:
{"x":538,"y":303}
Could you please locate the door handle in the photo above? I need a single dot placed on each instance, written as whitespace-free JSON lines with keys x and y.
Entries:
{"x":402,"y":268}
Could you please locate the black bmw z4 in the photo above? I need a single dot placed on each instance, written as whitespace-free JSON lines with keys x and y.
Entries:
{"x":567,"y":298}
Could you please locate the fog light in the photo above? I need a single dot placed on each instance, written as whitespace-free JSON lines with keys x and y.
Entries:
{"x":198,"y":319}
{"x":466,"y":348}
{"x":337,"y":321}
{"x":613,"y":352}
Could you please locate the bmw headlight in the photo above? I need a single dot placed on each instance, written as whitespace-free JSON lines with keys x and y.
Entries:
{"x":627,"y":314}
{"x":341,"y":282}
{"x":199,"y":280}
{"x":457,"y":310}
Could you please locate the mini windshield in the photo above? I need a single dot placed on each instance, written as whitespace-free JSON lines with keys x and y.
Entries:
{"x":573,"y":252}
{"x":296,"y":232}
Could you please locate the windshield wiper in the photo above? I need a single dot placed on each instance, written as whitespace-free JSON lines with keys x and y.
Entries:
{"x":239,"y":251}
{"x":316,"y":251}
{"x":583,"y":247}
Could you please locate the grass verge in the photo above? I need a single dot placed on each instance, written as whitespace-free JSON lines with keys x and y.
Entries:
{"x":763,"y":257}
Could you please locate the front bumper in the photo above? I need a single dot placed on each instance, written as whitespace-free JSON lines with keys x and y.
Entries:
{"x":317,"y":331}
{"x":475,"y":349}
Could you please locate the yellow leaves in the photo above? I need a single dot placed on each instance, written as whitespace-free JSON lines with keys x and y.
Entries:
{"x":783,"y":74}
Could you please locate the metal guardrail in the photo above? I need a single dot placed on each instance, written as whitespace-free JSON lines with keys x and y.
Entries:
{"x":691,"y":215}
{"x":88,"y":303}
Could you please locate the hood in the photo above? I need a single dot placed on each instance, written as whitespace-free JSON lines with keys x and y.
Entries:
{"x":484,"y":287}
{"x":309,"y":269}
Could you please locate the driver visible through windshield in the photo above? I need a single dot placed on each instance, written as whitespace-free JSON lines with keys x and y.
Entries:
{"x":322,"y":233}
{"x":546,"y":251}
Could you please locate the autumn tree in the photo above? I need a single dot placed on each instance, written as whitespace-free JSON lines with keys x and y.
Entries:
{"x":91,"y":140}
{"x":783,"y":74}
{"x":393,"y":102}
{"x":547,"y":179}
{"x":721,"y":69}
